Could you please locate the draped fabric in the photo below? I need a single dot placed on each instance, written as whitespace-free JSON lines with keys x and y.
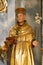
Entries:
{"x":21,"y":54}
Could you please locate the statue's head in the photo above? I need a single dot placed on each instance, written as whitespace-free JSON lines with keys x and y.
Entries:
{"x":20,"y":14}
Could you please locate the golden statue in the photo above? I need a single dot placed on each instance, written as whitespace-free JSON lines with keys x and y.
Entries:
{"x":20,"y":42}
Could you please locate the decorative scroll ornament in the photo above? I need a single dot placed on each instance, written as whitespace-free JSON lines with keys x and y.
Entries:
{"x":3,"y":5}
{"x":38,"y":18}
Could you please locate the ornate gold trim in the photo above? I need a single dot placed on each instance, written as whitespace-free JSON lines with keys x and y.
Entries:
{"x":3,"y":5}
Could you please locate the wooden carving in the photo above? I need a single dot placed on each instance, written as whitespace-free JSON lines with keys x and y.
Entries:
{"x":3,"y":5}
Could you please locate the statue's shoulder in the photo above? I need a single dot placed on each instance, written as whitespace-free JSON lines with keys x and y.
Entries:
{"x":28,"y":26}
{"x":13,"y":28}
{"x":12,"y":31}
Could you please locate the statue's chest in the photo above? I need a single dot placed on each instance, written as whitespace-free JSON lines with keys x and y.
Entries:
{"x":23,"y":34}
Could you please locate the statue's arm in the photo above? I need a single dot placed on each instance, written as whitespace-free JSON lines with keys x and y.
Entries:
{"x":31,"y":36}
{"x":11,"y":37}
{"x":34,"y":42}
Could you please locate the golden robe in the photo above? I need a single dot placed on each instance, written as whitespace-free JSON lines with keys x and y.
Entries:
{"x":22,"y":53}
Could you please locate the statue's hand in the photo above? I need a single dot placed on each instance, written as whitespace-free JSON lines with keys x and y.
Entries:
{"x":35,"y":43}
{"x":10,"y":40}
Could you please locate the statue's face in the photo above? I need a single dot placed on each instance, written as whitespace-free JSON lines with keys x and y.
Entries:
{"x":20,"y":17}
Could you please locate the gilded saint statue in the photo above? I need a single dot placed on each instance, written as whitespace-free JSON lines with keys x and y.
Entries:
{"x":20,"y":42}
